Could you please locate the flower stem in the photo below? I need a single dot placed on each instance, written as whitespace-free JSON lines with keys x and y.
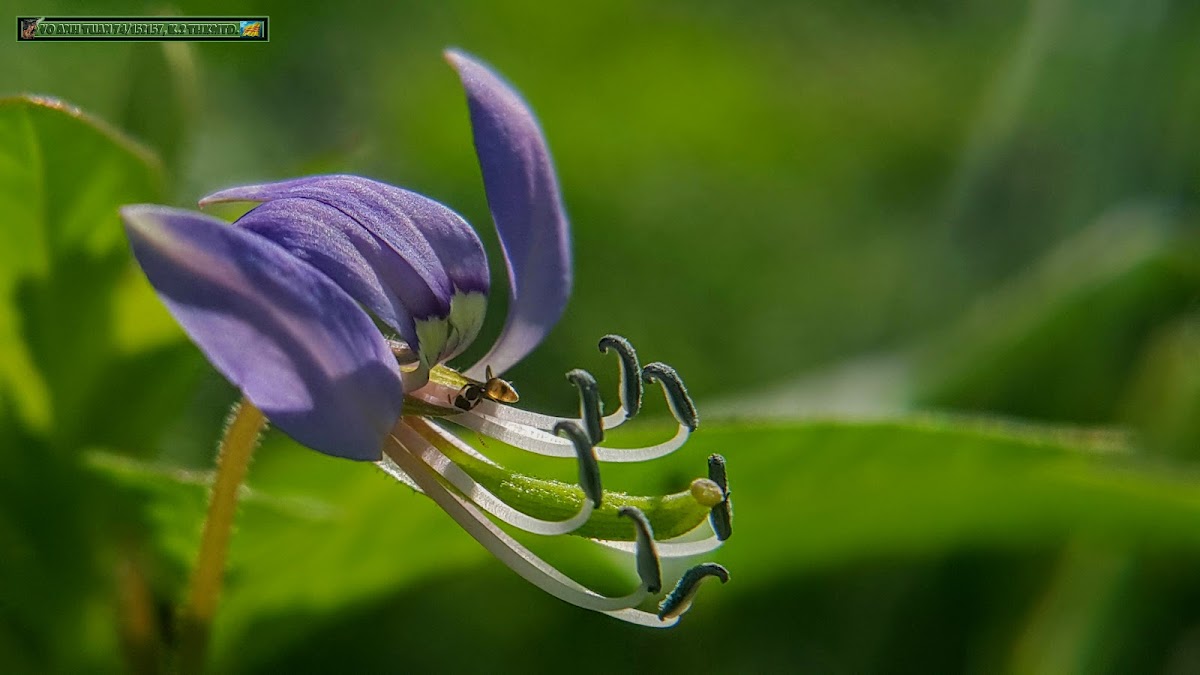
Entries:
{"x":233,"y":458}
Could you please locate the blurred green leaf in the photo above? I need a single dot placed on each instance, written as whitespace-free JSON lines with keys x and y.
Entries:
{"x":62,"y":177}
{"x":163,"y":99}
{"x":52,"y":555}
{"x":1164,"y":398}
{"x":70,"y":376}
{"x":1061,"y":341}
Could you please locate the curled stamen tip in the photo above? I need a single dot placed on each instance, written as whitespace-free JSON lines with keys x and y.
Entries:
{"x":721,"y":513}
{"x":631,"y":383}
{"x":647,"y":556}
{"x":585,"y":451}
{"x":581,"y":377}
{"x":716,"y":471}
{"x":679,"y":600}
{"x":706,"y":492}
{"x":677,"y":394}
{"x":589,"y":403}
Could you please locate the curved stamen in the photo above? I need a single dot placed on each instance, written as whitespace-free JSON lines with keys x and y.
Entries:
{"x":677,"y":396}
{"x":630,"y":393}
{"x":631,"y":382}
{"x":647,"y":557}
{"x":589,"y":468}
{"x":513,"y":415}
{"x":509,"y":551}
{"x":508,"y":413}
{"x":721,"y":515}
{"x":589,"y":404}
{"x":482,"y":497}
{"x":672,"y":548}
{"x":671,"y":515}
{"x":679,"y":600}
{"x":391,"y":469}
{"x":460,"y":444}
{"x":541,"y":443}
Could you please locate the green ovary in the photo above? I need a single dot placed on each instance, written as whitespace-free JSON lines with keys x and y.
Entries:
{"x":669,"y":515}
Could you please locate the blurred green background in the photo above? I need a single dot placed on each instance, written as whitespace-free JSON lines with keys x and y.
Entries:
{"x":931,"y":270}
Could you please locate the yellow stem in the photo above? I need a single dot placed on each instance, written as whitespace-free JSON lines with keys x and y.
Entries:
{"x":233,"y":459}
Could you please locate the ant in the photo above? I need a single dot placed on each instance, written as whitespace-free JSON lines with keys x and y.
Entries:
{"x":494,"y":389}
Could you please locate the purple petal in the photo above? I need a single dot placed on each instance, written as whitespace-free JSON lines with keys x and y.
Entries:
{"x":522,"y":192}
{"x":337,"y":245}
{"x":295,"y":343}
{"x":440,"y":254}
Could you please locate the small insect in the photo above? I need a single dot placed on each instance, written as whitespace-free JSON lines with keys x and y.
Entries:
{"x":494,"y":389}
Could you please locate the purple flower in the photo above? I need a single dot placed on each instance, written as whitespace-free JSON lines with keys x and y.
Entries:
{"x":335,"y":303}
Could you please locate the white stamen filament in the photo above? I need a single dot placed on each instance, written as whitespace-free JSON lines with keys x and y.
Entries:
{"x":507,"y":413}
{"x":472,"y":490}
{"x":671,"y":548}
{"x":395,"y":472}
{"x":441,"y":395}
{"x":539,"y":442}
{"x":521,"y":560}
{"x":459,"y":444}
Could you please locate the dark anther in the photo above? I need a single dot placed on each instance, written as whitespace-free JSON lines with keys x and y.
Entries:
{"x":716,"y":472}
{"x":631,"y":383}
{"x":721,"y":515}
{"x":647,"y":556}
{"x":589,"y":468}
{"x":680,"y":598}
{"x":589,"y":403}
{"x":677,"y":395}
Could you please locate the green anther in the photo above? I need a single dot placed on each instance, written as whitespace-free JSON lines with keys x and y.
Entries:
{"x":589,"y":403}
{"x":681,"y":403}
{"x":647,"y":557}
{"x":585,"y":451}
{"x":631,"y":368}
{"x":669,"y":515}
{"x":680,"y":598}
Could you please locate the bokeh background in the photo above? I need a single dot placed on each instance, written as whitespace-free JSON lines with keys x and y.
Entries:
{"x":931,"y":271}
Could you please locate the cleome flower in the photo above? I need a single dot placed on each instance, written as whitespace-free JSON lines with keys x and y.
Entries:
{"x":335,"y":303}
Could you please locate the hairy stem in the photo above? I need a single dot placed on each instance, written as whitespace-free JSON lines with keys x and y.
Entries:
{"x":233,"y":458}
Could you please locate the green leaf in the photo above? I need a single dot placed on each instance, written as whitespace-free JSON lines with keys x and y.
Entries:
{"x":1062,"y":340}
{"x":74,"y":312}
{"x":62,"y":175}
{"x":163,"y":98}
